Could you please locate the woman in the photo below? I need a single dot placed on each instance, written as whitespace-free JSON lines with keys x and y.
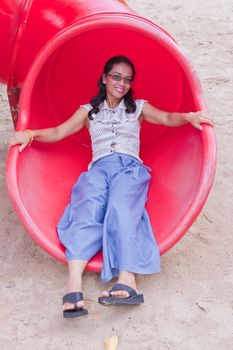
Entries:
{"x":107,"y":206}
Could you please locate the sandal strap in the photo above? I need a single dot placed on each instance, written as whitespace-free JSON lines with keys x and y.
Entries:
{"x":121,"y":286}
{"x":73,"y":297}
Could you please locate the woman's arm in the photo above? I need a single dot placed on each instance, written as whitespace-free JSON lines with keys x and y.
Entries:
{"x":72,"y":125}
{"x":156,"y":116}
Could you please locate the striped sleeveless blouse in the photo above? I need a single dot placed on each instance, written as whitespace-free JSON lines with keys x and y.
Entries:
{"x":114,"y":130}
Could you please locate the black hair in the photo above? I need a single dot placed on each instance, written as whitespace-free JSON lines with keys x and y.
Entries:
{"x":101,"y":96}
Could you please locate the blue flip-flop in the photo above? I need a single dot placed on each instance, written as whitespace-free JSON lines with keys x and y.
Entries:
{"x":133,"y":299}
{"x":73,"y":298}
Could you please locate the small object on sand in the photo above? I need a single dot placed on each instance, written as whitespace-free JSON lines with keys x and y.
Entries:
{"x":111,"y":343}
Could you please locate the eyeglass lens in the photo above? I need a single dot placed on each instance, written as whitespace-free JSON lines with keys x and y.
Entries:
{"x":118,"y":77}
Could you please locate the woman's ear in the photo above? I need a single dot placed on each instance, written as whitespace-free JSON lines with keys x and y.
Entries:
{"x":104,"y":77}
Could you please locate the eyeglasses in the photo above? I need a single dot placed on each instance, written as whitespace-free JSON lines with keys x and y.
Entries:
{"x":118,"y":77}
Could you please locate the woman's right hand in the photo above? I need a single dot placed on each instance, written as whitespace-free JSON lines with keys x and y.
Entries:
{"x":21,"y":138}
{"x":72,"y":125}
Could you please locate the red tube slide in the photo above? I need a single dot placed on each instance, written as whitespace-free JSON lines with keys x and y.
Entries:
{"x":53,"y":61}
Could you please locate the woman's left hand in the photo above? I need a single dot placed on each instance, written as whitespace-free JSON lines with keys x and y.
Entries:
{"x":197,"y":118}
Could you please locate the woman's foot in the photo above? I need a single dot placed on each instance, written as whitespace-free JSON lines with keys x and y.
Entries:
{"x":71,"y":305}
{"x":125,"y":278}
{"x":121,"y":294}
{"x":74,"y":299}
{"x":74,"y":285}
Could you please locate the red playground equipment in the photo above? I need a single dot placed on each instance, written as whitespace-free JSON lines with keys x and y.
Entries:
{"x":52,"y":54}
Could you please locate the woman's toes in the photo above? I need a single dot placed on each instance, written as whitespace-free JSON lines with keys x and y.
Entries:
{"x":117,"y":293}
{"x":120,"y":294}
{"x":69,"y":306}
{"x":80,"y":304}
{"x":105,"y":293}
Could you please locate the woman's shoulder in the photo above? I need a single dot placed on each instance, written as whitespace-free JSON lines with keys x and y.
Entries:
{"x":140,"y":101}
{"x":139,"y":106}
{"x":87,"y":106}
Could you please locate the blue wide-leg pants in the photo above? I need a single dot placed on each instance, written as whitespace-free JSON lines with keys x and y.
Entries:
{"x":107,"y":210}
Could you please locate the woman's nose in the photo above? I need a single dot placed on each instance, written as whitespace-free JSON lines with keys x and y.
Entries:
{"x":122,"y":82}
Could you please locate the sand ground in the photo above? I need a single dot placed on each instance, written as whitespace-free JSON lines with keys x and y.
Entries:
{"x":189,"y":306}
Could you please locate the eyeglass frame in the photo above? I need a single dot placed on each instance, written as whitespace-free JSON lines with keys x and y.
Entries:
{"x":127,"y":80}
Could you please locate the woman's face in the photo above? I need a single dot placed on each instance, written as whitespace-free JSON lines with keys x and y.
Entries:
{"x":118,"y":81}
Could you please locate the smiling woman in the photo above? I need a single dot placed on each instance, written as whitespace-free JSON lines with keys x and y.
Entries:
{"x":107,"y":205}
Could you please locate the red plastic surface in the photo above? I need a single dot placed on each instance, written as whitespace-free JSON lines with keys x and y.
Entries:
{"x":64,"y":75}
{"x":10,"y":12}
